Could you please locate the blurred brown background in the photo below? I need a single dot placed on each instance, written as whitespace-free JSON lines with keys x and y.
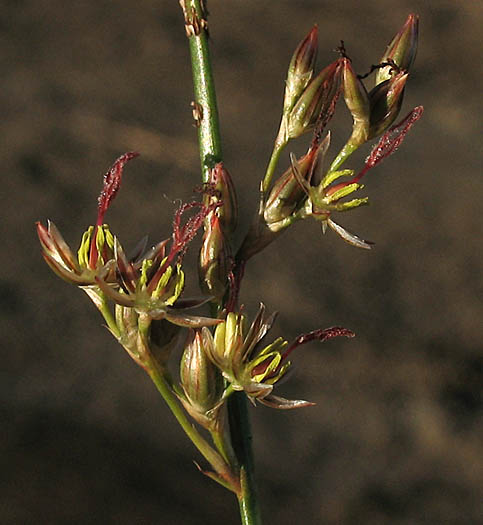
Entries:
{"x":396,"y":436}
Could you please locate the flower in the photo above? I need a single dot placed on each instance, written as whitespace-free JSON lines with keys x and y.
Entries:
{"x":58,"y":255}
{"x":249,"y":366}
{"x":285,"y":201}
{"x":95,"y":253}
{"x":153,"y":283}
{"x":325,"y":198}
{"x":287,"y":195}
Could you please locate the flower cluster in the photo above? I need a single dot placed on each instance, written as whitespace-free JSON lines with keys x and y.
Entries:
{"x":144,"y":288}
{"x":307,"y":188}
{"x":141,"y":296}
{"x":148,"y":286}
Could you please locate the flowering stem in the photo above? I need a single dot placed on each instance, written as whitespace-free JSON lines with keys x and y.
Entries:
{"x":205,"y":107}
{"x":204,"y":87}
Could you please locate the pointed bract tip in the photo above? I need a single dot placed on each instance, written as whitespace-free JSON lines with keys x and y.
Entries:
{"x":300,"y":69}
{"x":401,"y":51}
{"x":313,"y":33}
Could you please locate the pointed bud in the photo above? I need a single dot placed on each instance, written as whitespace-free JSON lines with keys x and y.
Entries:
{"x":201,"y":381}
{"x":401,"y":50}
{"x":386,"y":101}
{"x":285,"y":200}
{"x":357,"y":101}
{"x":213,"y":264}
{"x":301,"y":69}
{"x":318,"y":98}
{"x":222,"y":190}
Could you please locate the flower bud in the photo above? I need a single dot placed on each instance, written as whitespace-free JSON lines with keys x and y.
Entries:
{"x":215,"y":251}
{"x":386,"y":100}
{"x":357,"y":101}
{"x":201,"y":381}
{"x":401,"y":50}
{"x":316,"y":99}
{"x":223,"y":191}
{"x":301,"y":69}
{"x":213,"y":264}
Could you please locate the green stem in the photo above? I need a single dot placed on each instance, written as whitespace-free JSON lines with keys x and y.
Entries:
{"x":222,"y":444}
{"x":272,"y":164}
{"x":98,"y":297}
{"x":210,"y":153}
{"x":344,"y":153}
{"x":242,"y":445}
{"x":221,"y":438}
{"x":109,"y":318}
{"x":204,"y":89}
